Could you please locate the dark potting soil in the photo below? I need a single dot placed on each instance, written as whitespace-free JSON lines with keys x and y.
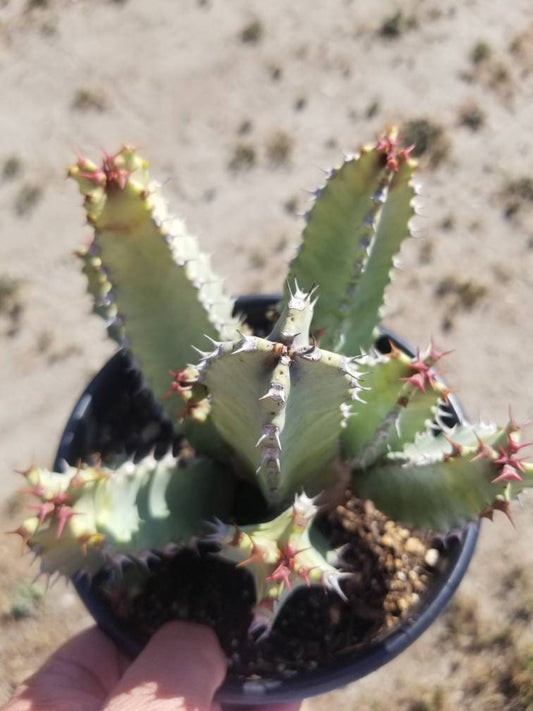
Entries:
{"x":387,"y":562}
{"x":389,"y":574}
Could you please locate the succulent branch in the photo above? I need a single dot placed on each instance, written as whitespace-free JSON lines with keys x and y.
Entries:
{"x":266,"y":391}
{"x":280,"y":556}
{"x":146,"y":273}
{"x":286,"y":412}
{"x":88,"y":516}
{"x":401,"y":397}
{"x":354,"y":230}
{"x":448,"y":488}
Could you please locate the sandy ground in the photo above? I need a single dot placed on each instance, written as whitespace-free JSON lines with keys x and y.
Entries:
{"x":238,"y":107}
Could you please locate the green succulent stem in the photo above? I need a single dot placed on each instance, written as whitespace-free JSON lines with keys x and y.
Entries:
{"x":354,"y":230}
{"x":280,"y":556}
{"x":146,"y":273}
{"x":455,"y":482}
{"x":266,"y":392}
{"x":89,"y":516}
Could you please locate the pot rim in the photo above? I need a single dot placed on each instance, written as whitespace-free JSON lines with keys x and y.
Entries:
{"x":346,"y":668}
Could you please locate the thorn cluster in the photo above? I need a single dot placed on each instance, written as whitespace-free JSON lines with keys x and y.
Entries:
{"x":279,"y":555}
{"x":424,"y":374}
{"x":390,"y":146}
{"x":112,"y":173}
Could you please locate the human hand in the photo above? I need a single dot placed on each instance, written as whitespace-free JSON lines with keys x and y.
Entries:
{"x":179,"y":670}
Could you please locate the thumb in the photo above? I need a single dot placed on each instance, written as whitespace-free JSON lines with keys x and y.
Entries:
{"x":179,"y":670}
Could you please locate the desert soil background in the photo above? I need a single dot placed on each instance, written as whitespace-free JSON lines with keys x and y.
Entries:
{"x":238,"y":106}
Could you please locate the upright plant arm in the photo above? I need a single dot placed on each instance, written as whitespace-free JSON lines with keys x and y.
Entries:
{"x":353,"y":232}
{"x":147,"y":275}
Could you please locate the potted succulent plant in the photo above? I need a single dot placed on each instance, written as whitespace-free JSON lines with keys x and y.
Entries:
{"x":304,"y":457}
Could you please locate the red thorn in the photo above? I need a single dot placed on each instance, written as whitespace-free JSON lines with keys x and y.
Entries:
{"x":405,"y":153}
{"x":513,"y":425}
{"x":434,"y":354}
{"x":64,"y":514}
{"x":282,"y":573}
{"x":488,"y":513}
{"x":418,"y":363}
{"x":503,"y":506}
{"x":508,"y":473}
{"x":304,"y":573}
{"x":417,"y":380}
{"x":25,"y":472}
{"x":23,"y":533}
{"x":44,"y":510}
{"x":37,"y":491}
{"x":509,"y":459}
{"x":395,"y":352}
{"x":456,"y":448}
{"x":256,"y":557}
{"x":77,"y":481}
{"x":484,"y":451}
{"x":61,"y":499}
{"x":514,"y":447}
{"x":179,"y":384}
{"x":97,"y":176}
{"x":444,"y":393}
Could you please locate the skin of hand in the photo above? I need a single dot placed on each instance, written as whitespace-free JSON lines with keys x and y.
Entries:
{"x":180,"y":669}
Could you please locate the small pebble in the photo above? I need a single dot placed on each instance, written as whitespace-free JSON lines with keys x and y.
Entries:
{"x":432,"y":557}
{"x":414,"y":546}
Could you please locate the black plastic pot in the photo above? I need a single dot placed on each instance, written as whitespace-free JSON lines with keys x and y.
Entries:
{"x":83,"y":436}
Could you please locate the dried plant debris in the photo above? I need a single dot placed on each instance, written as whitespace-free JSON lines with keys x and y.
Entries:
{"x":245,"y":127}
{"x":279,"y":149}
{"x":372,"y":109}
{"x":275,"y":72}
{"x":516,"y":193}
{"x":64,"y":353}
{"x":521,"y":49}
{"x":490,"y":69}
{"x":44,"y":341}
{"x":11,"y":168}
{"x":252,"y":33}
{"x":27,"y":199}
{"x":25,"y":602}
{"x":292,"y":205}
{"x":471,"y":116}
{"x":428,"y":138}
{"x":425,"y":253}
{"x":395,"y":25}
{"x":458,"y":295}
{"x":282,"y":244}
{"x":447,"y":223}
{"x":243,"y":158}
{"x":257,"y":259}
{"x":11,"y":306}
{"x":480,"y":52}
{"x":90,"y":99}
{"x":33,"y":4}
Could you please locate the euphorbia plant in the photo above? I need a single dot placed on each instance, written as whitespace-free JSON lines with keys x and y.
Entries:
{"x":291,"y":413}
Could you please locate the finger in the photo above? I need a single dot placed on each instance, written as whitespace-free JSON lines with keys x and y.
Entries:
{"x":180,"y":669}
{"x":80,"y":675}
